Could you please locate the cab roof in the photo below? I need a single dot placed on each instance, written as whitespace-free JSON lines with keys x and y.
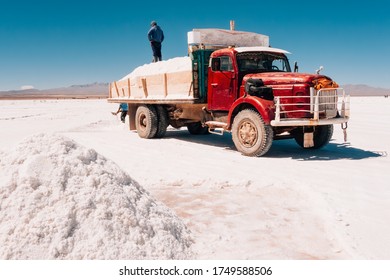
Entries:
{"x":259,"y":49}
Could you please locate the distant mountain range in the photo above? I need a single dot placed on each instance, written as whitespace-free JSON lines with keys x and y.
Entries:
{"x":364,"y":90}
{"x":100,"y":90}
{"x":95,"y":90}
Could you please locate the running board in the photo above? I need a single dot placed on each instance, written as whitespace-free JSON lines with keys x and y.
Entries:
{"x":216,"y":127}
{"x":217,"y":131}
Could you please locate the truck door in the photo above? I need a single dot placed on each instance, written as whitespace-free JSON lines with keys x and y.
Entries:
{"x":222,"y":84}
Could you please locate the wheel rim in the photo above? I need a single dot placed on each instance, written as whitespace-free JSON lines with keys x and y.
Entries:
{"x":142,"y":121}
{"x":247,"y":133}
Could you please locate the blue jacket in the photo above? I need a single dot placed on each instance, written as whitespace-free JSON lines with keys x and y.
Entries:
{"x":123,"y":107}
{"x":156,"y":34}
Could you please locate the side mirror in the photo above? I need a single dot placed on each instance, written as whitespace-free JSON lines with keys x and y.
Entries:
{"x":296,"y":66}
{"x":216,"y":64}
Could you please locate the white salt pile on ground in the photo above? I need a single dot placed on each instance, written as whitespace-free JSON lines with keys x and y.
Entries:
{"x":59,"y":200}
{"x":176,"y":64}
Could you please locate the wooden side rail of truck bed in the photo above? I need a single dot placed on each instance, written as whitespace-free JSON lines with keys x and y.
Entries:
{"x":164,"y":86}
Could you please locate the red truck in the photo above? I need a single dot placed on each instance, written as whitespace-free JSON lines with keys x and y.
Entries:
{"x":245,"y":89}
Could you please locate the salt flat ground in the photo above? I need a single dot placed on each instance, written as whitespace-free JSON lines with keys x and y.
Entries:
{"x":332,"y":203}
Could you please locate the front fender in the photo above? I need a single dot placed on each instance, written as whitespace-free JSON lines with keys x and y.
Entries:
{"x":266,"y":108}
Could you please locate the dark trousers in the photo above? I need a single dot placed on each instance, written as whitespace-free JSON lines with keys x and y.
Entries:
{"x":156,"y":48}
{"x":123,"y":116}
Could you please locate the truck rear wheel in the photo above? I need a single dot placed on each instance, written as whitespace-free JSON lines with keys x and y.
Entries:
{"x":321,"y":137}
{"x":163,"y":121}
{"x":251,"y":136}
{"x":146,"y":121}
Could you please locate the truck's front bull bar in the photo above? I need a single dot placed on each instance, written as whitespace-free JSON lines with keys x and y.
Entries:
{"x":333,"y":102}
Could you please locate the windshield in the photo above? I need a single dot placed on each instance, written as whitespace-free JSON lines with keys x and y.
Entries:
{"x":256,"y":62}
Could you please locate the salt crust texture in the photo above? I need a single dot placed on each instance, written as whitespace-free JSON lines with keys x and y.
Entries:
{"x":60,"y":200}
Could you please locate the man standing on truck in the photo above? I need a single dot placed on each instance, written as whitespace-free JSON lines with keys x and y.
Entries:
{"x":156,"y":37}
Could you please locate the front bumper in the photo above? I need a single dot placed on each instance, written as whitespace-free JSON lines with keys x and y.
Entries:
{"x":332,"y":104}
{"x":309,"y":122}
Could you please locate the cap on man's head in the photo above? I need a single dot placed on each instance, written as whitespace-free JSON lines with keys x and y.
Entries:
{"x":153,"y":23}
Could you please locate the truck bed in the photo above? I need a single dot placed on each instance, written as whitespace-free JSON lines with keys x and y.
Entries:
{"x":162,"y":82}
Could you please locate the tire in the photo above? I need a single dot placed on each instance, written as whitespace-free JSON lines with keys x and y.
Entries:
{"x":321,"y":137}
{"x":197,"y":128}
{"x":251,"y":136}
{"x":146,"y":121}
{"x":163,"y":121}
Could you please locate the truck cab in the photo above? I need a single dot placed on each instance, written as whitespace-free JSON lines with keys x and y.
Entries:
{"x":228,"y":67}
{"x":259,"y":79}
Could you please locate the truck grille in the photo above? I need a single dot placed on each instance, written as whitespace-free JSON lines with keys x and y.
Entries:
{"x":327,"y":101}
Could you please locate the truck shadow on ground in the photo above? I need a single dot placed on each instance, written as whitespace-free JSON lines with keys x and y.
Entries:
{"x":221,"y":141}
{"x":282,"y":148}
{"x":333,"y":151}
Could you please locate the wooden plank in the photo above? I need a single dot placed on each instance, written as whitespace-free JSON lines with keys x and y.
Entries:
{"x":116,"y":88}
{"x":155,"y":86}
{"x":153,"y":101}
{"x":190,"y":90}
{"x":131,"y":113}
{"x":122,"y":83}
{"x":128,"y":87}
{"x":165,"y":82}
{"x":180,"y":77}
{"x":144,"y":86}
{"x":180,"y":82}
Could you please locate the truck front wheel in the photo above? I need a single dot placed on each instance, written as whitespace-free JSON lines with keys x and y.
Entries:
{"x":251,"y":136}
{"x":146,"y":121}
{"x":321,"y":136}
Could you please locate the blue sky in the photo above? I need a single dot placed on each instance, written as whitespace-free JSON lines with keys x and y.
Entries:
{"x":47,"y":44}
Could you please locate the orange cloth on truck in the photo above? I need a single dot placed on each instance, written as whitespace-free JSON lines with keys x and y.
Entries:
{"x":324,"y":83}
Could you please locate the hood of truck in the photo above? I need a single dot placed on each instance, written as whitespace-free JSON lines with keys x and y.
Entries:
{"x":286,"y":78}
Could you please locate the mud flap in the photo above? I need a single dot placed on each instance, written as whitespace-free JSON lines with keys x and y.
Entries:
{"x":344,"y":128}
{"x":308,"y":141}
